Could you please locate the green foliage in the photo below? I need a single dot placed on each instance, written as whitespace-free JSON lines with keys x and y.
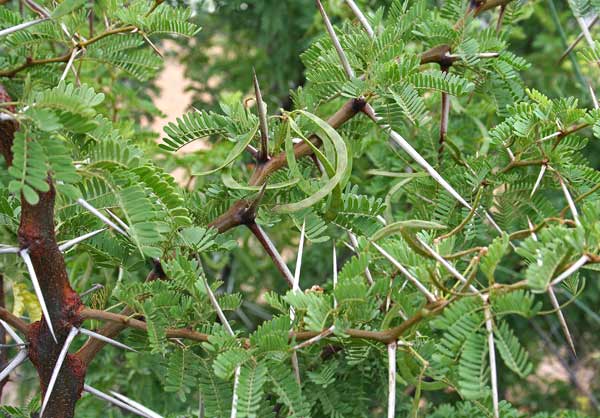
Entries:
{"x":521,"y":155}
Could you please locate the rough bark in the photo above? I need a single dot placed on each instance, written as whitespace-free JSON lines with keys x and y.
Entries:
{"x":36,"y":234}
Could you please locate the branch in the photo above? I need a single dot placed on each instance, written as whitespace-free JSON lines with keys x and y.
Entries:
{"x":14,"y":321}
{"x":127,"y":321}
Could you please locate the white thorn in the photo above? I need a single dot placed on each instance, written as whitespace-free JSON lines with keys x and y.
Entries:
{"x":16,"y":362}
{"x":100,"y":216}
{"x":75,"y":52}
{"x":594,"y":98}
{"x":336,"y":42}
{"x":112,"y":400}
{"x":552,"y":135}
{"x":59,"y":362}
{"x":574,"y":267}
{"x":316,"y":338}
{"x":381,"y":220}
{"x":21,"y":26}
{"x":480,"y":55}
{"x":570,"y":201}
{"x":532,"y":229}
{"x":430,"y":296}
{"x":539,"y":180}
{"x":38,"y":291}
{"x":391,"y":348}
{"x":118,"y":220}
{"x":447,"y":265}
{"x":335,"y":274}
{"x":150,"y":413}
{"x":217,"y":308}
{"x":234,"y":398}
{"x":9,"y":250}
{"x":586,"y":32}
{"x":105,"y":339}
{"x":361,"y":18}
{"x":12,"y":333}
{"x":296,"y":284}
{"x":68,"y":244}
{"x":561,"y":318}
{"x":510,"y":154}
{"x":95,"y":287}
{"x":492,"y":356}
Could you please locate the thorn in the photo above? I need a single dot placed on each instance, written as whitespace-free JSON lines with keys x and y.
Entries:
{"x":577,"y":40}
{"x":75,"y":52}
{"x":561,"y":319}
{"x":14,"y":363}
{"x":335,"y":274}
{"x":296,"y":286}
{"x":444,"y":121}
{"x":154,"y":48}
{"x":113,"y":400}
{"x":38,"y":290}
{"x":447,"y":265}
{"x":430,"y":296}
{"x":492,"y":355}
{"x":234,"y":398}
{"x":571,"y":270}
{"x":361,"y":18}
{"x":118,"y":220}
{"x":315,"y":339}
{"x":21,"y":26}
{"x":252,"y":210}
{"x":12,"y":333}
{"x":217,"y":308}
{"x":150,"y":413}
{"x":100,"y":216}
{"x":391,"y":348}
{"x":71,"y":243}
{"x":253,"y":151}
{"x":539,"y":180}
{"x":59,"y":362}
{"x":106,"y":339}
{"x":92,"y":289}
{"x":593,"y":94}
{"x":263,"y":154}
{"x":267,"y":244}
{"x":569,"y":199}
{"x":532,"y":229}
{"x":336,"y":42}
{"x":9,"y":250}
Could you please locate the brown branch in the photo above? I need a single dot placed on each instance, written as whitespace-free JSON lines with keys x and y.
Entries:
{"x":127,"y":321}
{"x":14,"y":321}
{"x":237,"y":214}
{"x":93,"y":346}
{"x":63,"y":58}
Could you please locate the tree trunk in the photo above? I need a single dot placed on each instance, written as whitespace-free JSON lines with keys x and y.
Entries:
{"x":36,"y":234}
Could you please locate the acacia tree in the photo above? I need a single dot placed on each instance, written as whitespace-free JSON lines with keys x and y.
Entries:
{"x":455,"y":197}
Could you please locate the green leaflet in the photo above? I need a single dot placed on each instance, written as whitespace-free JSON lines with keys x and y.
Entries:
{"x":512,"y":352}
{"x":237,"y":150}
{"x":250,"y":389}
{"x":335,"y":180}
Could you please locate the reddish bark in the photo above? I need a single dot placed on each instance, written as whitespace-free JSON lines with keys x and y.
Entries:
{"x":36,"y":234}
